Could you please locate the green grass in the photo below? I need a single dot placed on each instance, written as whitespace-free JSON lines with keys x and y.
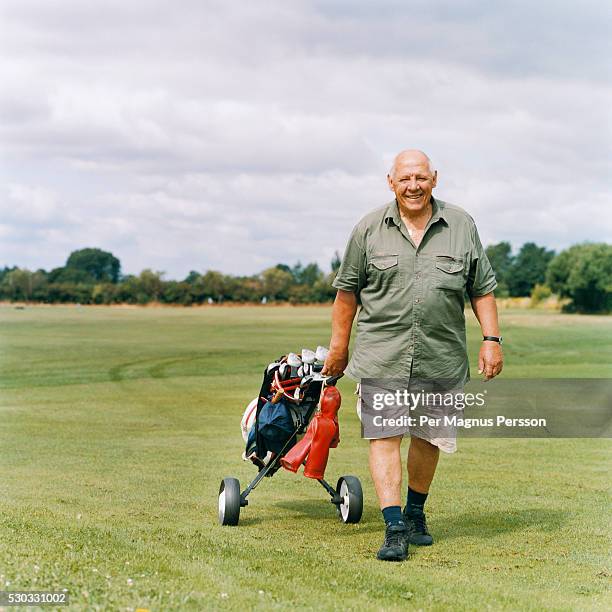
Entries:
{"x":116,"y":426}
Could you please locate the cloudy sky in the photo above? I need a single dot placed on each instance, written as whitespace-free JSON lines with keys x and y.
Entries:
{"x":235,"y":135}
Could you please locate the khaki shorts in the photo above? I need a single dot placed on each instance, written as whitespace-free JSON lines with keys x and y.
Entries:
{"x":444,"y":438}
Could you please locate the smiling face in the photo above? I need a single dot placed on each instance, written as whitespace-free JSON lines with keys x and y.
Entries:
{"x":412,"y":180}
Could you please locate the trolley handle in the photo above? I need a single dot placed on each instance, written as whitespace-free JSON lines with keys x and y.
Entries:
{"x":332,"y":380}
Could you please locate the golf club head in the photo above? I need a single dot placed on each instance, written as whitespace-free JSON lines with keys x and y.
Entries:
{"x":306,"y":381}
{"x":272,"y":366}
{"x":284,"y":368}
{"x":321,"y":354}
{"x":294,"y":360}
{"x":308,"y":356}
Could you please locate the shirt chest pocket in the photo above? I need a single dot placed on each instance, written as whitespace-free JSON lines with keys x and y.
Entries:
{"x":449,"y":273}
{"x":383,"y":271}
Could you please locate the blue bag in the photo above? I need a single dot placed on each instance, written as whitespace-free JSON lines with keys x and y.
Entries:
{"x":275,"y":428}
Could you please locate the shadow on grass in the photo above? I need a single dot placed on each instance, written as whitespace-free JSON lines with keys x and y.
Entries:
{"x":471,"y":525}
{"x":491,"y":524}
{"x":246,"y":521}
{"x":311,"y":508}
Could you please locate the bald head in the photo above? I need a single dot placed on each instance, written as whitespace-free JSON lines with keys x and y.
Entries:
{"x":412,"y":178}
{"x":410,"y":157}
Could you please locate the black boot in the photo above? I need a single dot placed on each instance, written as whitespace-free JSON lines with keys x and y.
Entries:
{"x":395,"y":546}
{"x":416,"y":525}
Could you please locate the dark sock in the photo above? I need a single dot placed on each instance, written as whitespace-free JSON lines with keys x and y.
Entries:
{"x":393,"y":515}
{"x":415,"y":502}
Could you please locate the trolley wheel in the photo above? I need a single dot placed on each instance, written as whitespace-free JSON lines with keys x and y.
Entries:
{"x":350,"y":508}
{"x":229,"y":501}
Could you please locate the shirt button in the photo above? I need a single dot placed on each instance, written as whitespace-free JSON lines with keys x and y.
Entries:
{"x":417,"y":276}
{"x":416,"y":300}
{"x":417,"y":323}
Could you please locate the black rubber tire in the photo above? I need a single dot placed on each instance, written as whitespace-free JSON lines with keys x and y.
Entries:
{"x":229,"y":501}
{"x":351,"y":509}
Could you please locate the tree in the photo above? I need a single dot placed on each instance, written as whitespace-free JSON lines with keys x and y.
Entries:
{"x":129,"y":291}
{"x":336,"y":262}
{"x":500,"y":256}
{"x":284,"y":267}
{"x":69,"y":293}
{"x":584,"y":274}
{"x":105,"y":293}
{"x":4,"y":271}
{"x":175,"y":292}
{"x":17,"y":284}
{"x":245,"y":289}
{"x":20,"y":284}
{"x":212,"y":285}
{"x":296,"y":271}
{"x":322,"y":290}
{"x":300,"y":294}
{"x":102,"y":266}
{"x":71,"y":275}
{"x":528,"y":269}
{"x":276,"y":283}
{"x":310,"y":275}
{"x":151,"y":284}
{"x":192,"y":277}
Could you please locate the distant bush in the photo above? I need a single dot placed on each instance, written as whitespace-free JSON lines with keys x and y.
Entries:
{"x":540,"y":293}
{"x":583,"y":273}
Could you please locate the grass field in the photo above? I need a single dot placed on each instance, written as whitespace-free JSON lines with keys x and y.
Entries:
{"x":116,"y":426}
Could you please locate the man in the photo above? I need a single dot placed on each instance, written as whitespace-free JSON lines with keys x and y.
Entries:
{"x":408,"y":265}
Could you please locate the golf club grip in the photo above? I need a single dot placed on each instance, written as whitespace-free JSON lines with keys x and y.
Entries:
{"x":332,"y":380}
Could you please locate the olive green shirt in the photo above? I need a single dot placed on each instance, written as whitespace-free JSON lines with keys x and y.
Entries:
{"x":411,"y":322}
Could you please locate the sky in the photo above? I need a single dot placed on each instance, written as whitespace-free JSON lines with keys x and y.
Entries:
{"x":232,"y":136}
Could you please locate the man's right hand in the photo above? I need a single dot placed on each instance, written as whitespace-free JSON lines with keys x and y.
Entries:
{"x":343,"y":313}
{"x":336,"y":362}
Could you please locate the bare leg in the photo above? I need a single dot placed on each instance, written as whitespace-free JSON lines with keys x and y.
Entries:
{"x":386,"y":470}
{"x":422,"y":462}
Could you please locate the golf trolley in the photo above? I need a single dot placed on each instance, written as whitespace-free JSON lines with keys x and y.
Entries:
{"x":309,"y":401}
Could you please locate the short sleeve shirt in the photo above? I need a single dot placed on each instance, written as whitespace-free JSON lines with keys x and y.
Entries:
{"x":411,"y":321}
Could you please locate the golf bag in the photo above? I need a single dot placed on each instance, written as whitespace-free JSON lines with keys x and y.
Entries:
{"x":290,"y":392}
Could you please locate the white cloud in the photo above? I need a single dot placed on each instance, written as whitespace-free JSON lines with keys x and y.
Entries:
{"x":201,"y":136}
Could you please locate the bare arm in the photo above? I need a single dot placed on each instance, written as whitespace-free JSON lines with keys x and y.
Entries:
{"x":490,"y":358}
{"x":343,"y":313}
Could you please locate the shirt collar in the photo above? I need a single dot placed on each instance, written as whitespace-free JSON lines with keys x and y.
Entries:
{"x":392,"y":214}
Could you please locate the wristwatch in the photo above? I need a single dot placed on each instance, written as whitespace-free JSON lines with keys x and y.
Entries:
{"x":493,"y":338}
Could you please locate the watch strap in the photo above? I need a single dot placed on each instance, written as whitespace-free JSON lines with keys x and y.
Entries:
{"x":492,"y":338}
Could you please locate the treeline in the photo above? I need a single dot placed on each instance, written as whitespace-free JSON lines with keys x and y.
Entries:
{"x":582,"y":273}
{"x":93,"y":276}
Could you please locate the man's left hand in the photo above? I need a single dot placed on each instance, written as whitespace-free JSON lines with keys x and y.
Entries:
{"x":490,"y":359}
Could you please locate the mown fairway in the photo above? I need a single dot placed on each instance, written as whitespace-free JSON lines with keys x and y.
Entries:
{"x":117,"y":425}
